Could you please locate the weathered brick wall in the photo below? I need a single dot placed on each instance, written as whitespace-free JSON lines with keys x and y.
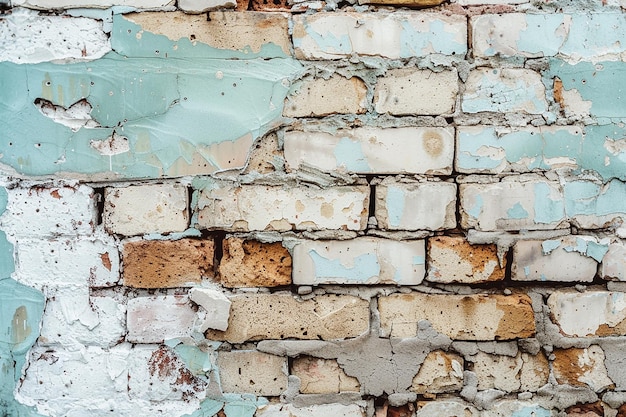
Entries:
{"x":312,"y":208}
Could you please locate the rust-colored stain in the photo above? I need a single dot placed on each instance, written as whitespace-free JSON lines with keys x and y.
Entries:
{"x":558,"y":92}
{"x":55,"y":194}
{"x":106,"y":261}
{"x":433,"y":143}
{"x":518,"y":320}
{"x":567,"y":369}
{"x":249,"y":263}
{"x":165,"y":365}
{"x":586,"y":410}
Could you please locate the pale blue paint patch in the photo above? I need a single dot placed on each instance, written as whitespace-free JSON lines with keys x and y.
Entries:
{"x":328,"y":42}
{"x":527,"y":270}
{"x":208,"y":408}
{"x":547,"y":246}
{"x":547,"y":210}
{"x":469,"y":144}
{"x":364,"y":267}
{"x":597,"y":154}
{"x":517,"y":212}
{"x":588,"y":198}
{"x":415,"y":43}
{"x":581,"y":247}
{"x":542,"y":277}
{"x":7,"y":264}
{"x":595,"y":34}
{"x":349,"y":154}
{"x":476,"y":209}
{"x":394,"y":202}
{"x":531,"y":411}
{"x":419,"y":260}
{"x":540,"y":35}
{"x":597,"y":250}
{"x":242,"y":405}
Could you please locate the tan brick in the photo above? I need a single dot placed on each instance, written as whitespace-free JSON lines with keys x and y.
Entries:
{"x":461,"y":317}
{"x":282,"y":316}
{"x":252,"y":372}
{"x":248,"y":263}
{"x":142,"y":209}
{"x":454,"y":259}
{"x":322,"y":376}
{"x":582,"y":367}
{"x":321,"y":97}
{"x":167,"y":264}
{"x":441,"y":372}
{"x":522,"y":372}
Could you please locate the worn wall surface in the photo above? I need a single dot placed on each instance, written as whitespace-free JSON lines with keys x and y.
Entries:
{"x":312,"y":208}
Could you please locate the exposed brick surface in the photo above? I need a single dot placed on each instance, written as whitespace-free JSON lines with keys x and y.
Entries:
{"x":322,"y":376}
{"x":582,"y":367}
{"x":321,"y":97}
{"x":252,"y":372}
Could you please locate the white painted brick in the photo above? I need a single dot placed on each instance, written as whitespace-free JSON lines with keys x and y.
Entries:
{"x":321,"y":97}
{"x":322,"y":376}
{"x":364,"y":260}
{"x":403,"y":92}
{"x":99,"y":4}
{"x":201,"y":6}
{"x":567,"y":259}
{"x":394,"y":35}
{"x":513,"y":204}
{"x":504,"y":90}
{"x":249,"y":371}
{"x":143,"y":209}
{"x":158,"y":318}
{"x":446,"y":408}
{"x":46,"y":212}
{"x":411,"y":205}
{"x":440,"y":372}
{"x":517,"y":408}
{"x":73,"y":318}
{"x":216,"y":306}
{"x":403,"y":150}
{"x":613,"y":266}
{"x":321,"y":410}
{"x":259,"y":207}
{"x":26,"y":38}
{"x":600,"y":313}
{"x":62,"y":262}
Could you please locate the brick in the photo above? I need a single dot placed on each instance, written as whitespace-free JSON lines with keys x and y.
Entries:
{"x":321,"y":410}
{"x":452,"y":259}
{"x":539,"y":35}
{"x":412,"y":205}
{"x":446,"y":408}
{"x":600,"y":313}
{"x":364,"y":260}
{"x":201,"y":6}
{"x":514,"y":204}
{"x":167,"y":263}
{"x":71,"y":4}
{"x":158,"y":318}
{"x":613,"y":266}
{"x":522,"y":372}
{"x":321,"y":97}
{"x":504,"y":90}
{"x":407,"y":3}
{"x":440,"y":372}
{"x":260,"y":207}
{"x":586,"y":410}
{"x":142,"y":209}
{"x":246,"y":34}
{"x":265,"y":156}
{"x":322,"y":376}
{"x":591,"y":205}
{"x":249,"y":263}
{"x":403,"y":92}
{"x":65,"y":262}
{"x":582,"y":367}
{"x":490,"y":2}
{"x":281,"y":316}
{"x":216,"y":305}
{"x":398,"y":35}
{"x":271,"y":5}
{"x":460,"y":317}
{"x":253,"y":372}
{"x":517,"y":408}
{"x":371,"y":150}
{"x":566,"y":259}
{"x":48,"y":212}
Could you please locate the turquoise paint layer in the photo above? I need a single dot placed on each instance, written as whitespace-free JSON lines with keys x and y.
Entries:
{"x":547,"y":210}
{"x":541,"y":34}
{"x":517,"y":212}
{"x":547,"y":246}
{"x":588,"y":198}
{"x":327,"y":41}
{"x":532,"y":411}
{"x":349,"y":154}
{"x":364,"y":267}
{"x":437,"y":40}
{"x":7,"y":265}
{"x":419,"y":260}
{"x":597,"y":250}
{"x":394,"y":203}
{"x":595,"y":34}
{"x":476,"y":209}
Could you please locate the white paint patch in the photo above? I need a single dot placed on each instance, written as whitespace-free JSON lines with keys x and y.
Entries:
{"x":113,"y":145}
{"x":216,"y":306}
{"x":76,"y":116}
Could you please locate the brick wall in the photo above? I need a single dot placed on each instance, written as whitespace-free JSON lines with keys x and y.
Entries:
{"x":312,"y":208}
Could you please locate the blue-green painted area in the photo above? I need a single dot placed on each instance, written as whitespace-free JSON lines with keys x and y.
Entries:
{"x":531,"y":411}
{"x":131,"y":40}
{"x":242,"y":405}
{"x":7,"y":265}
{"x":364,"y":267}
{"x":601,"y":84}
{"x":349,"y":154}
{"x":592,"y":199}
{"x":547,"y":209}
{"x":517,"y":212}
{"x":589,"y":248}
{"x":420,"y":43}
{"x":547,"y":246}
{"x":394,"y":203}
{"x":208,"y":408}
{"x":541,"y":35}
{"x":595,"y":34}
{"x":419,"y":260}
{"x":327,"y":41}
{"x":477,"y":207}
{"x":604,"y":151}
{"x":178,"y":117}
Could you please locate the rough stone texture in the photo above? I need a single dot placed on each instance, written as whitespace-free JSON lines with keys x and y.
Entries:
{"x":404,"y":92}
{"x":158,"y":318}
{"x":613,"y":266}
{"x":320,"y":97}
{"x":322,"y":376}
{"x":249,"y":263}
{"x":407,"y":3}
{"x":281,"y":316}
{"x":470,"y":317}
{"x":454,"y":259}
{"x":604,"y":312}
{"x":257,"y":207}
{"x":584,"y":367}
{"x":533,"y":205}
{"x":568,"y":259}
{"x":401,"y":150}
{"x":364,"y":260}
{"x":522,"y":372}
{"x":145,"y":209}
{"x":250,"y":371}
{"x":441,"y":372}
{"x":406,"y":205}
{"x":445,"y":408}
{"x":167,"y":263}
{"x":265,"y":156}
{"x":399,"y":35}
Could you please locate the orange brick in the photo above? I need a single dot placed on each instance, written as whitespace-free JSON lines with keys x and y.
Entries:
{"x":248,"y":263}
{"x":167,"y":264}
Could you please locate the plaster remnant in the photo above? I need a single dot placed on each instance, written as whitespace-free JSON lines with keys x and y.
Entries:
{"x":440,"y":372}
{"x":201,"y":6}
{"x":216,"y":306}
{"x":113,"y":145}
{"x":76,"y":116}
{"x":254,"y":372}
